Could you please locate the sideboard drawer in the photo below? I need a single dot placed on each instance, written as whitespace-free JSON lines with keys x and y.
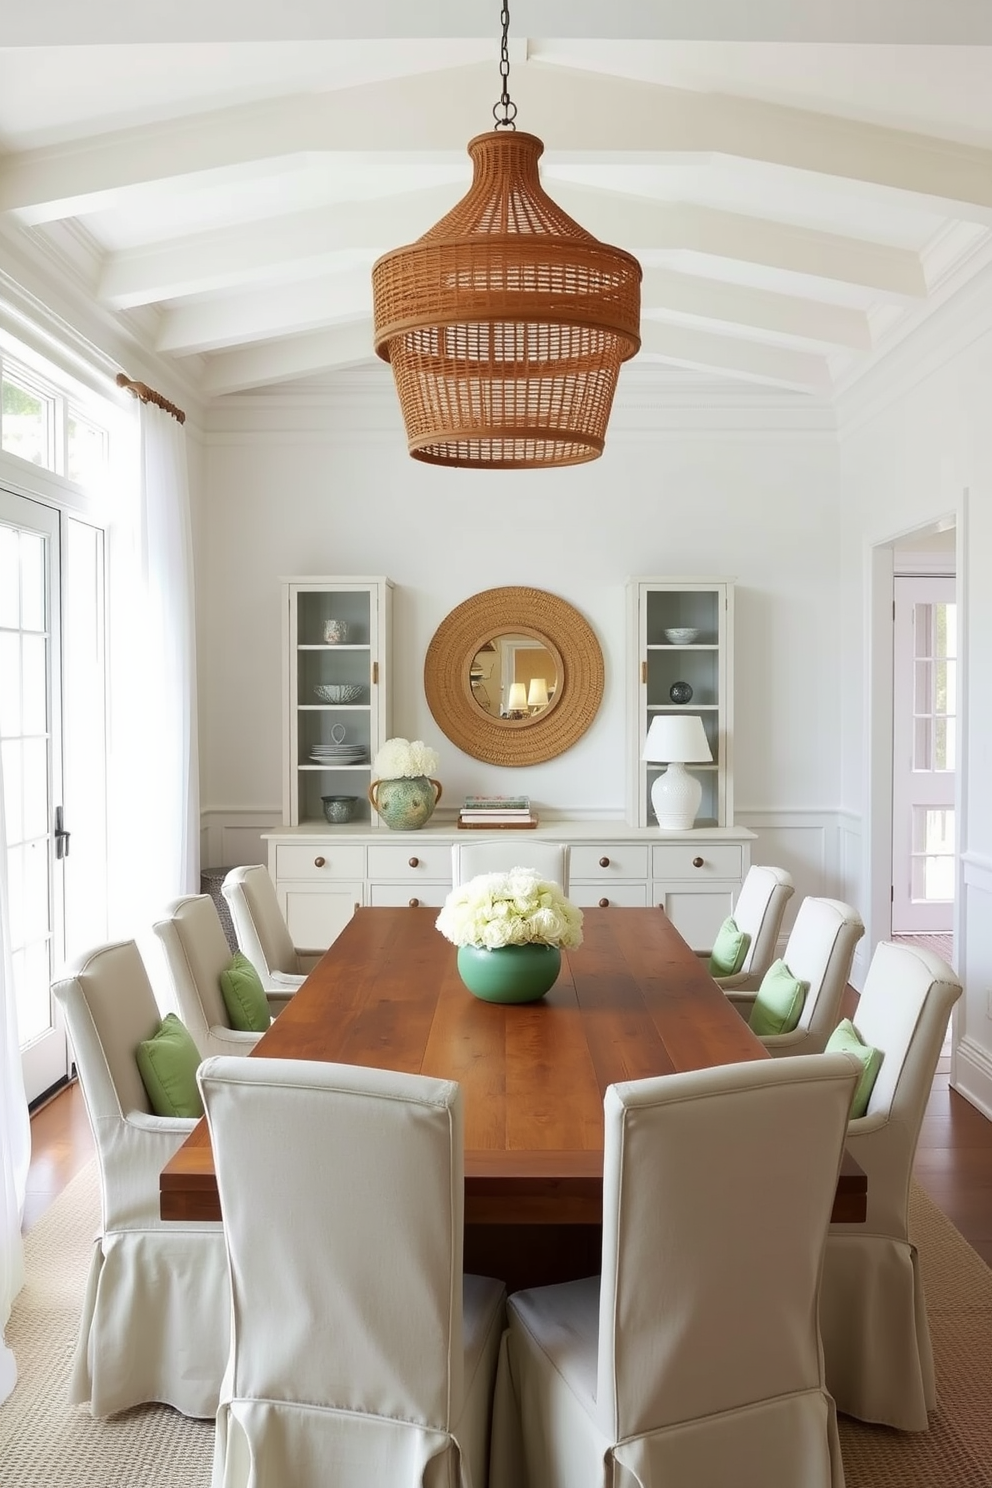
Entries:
{"x":608,"y":860}
{"x":622,"y":894}
{"x":395,"y":895}
{"x":694,"y":860}
{"x":320,"y":860}
{"x":403,"y":861}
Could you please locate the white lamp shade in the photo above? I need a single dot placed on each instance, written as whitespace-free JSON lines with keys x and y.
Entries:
{"x":517,"y":700}
{"x":537,"y":695}
{"x":676,"y":736}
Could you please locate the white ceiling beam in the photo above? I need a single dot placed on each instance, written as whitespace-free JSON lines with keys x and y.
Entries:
{"x":298,"y":245}
{"x":280,"y":310}
{"x":580,"y":113}
{"x":641,"y":224}
{"x":733,"y":357}
{"x":688,"y":295}
{"x":319,"y":302}
{"x":270,"y":362}
{"x":293,"y":245}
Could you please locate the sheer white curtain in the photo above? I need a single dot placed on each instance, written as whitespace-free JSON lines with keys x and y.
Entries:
{"x":154,"y":780}
{"x":15,"y":1131}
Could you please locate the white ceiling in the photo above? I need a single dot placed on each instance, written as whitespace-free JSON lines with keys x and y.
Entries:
{"x":798,"y":201}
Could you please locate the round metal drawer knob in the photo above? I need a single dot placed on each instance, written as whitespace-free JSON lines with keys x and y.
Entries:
{"x":604,"y":862}
{"x":697,"y":862}
{"x":414,"y":862}
{"x":319,"y":862}
{"x":604,"y":903}
{"x":414,"y":903}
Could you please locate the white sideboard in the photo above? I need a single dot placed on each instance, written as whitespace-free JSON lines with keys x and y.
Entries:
{"x":322,"y":874}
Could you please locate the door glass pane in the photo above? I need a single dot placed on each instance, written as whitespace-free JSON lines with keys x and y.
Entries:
{"x":25,"y":659}
{"x":10,"y":577}
{"x":84,"y":740}
{"x":934,"y":686}
{"x":933,"y":854}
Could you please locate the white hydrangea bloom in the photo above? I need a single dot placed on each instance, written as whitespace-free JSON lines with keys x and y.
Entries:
{"x":515,"y":908}
{"x":399,"y":759}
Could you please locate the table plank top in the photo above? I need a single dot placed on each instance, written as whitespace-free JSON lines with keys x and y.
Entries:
{"x":631,"y":1002}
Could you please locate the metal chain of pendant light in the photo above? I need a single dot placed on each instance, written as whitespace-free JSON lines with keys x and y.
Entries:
{"x":506,"y":323}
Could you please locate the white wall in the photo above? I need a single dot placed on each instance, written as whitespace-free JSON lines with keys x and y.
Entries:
{"x":750,"y":493}
{"x":916,"y":445}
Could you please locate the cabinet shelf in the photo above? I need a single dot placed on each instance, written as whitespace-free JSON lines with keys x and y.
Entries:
{"x":657,"y":664}
{"x":364,"y":605}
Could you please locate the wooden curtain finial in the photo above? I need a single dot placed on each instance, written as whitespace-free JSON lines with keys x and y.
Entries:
{"x":145,"y":394}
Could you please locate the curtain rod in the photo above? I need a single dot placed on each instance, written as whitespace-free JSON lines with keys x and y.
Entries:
{"x":145,"y":394}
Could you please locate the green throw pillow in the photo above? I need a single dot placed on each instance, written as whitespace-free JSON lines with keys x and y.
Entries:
{"x":846,"y":1039}
{"x":729,"y":949}
{"x":779,"y":1001}
{"x":167,"y":1063}
{"x":244,"y":996}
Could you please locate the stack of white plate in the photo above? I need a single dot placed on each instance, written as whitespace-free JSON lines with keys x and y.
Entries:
{"x":338,"y":754}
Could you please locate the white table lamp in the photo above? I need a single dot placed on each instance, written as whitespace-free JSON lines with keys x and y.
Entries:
{"x":537,"y":693}
{"x":676,"y":739}
{"x":516,"y":703}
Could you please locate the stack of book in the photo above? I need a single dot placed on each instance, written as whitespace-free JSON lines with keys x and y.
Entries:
{"x":485,"y":813}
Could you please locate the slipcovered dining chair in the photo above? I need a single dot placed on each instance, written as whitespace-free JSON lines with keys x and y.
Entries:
{"x":263,"y":935}
{"x":155,"y":1323}
{"x":695,"y":1357}
{"x":549,"y":859}
{"x":873,"y":1312}
{"x":196,"y":951}
{"x":819,"y":952}
{"x":758,"y":912}
{"x":360,"y":1353}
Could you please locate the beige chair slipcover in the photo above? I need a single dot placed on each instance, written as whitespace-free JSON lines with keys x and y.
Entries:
{"x":549,"y":859}
{"x":263,"y":935}
{"x":360,"y":1355}
{"x":196,"y":952}
{"x":695,"y":1358}
{"x":759,"y":910}
{"x":155,"y":1322}
{"x":820,"y":951}
{"x":873,"y":1312}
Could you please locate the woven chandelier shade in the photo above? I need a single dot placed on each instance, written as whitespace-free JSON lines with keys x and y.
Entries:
{"x":506,"y":323}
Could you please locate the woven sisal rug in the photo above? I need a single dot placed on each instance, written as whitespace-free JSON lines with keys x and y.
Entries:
{"x":45,"y":1443}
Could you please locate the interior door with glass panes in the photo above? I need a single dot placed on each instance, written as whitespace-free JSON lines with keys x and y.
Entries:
{"x":30,"y":741}
{"x":924,"y":754}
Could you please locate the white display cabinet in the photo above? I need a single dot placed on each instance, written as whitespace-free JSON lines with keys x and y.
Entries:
{"x":702,"y":663}
{"x":336,"y":644}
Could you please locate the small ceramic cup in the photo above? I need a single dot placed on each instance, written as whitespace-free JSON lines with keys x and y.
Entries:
{"x":335,"y":632}
{"x":339,"y":808}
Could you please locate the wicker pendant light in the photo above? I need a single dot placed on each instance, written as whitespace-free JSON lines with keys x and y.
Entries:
{"x":507,"y":322}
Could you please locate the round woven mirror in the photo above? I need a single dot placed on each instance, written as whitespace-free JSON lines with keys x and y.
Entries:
{"x":514,"y":676}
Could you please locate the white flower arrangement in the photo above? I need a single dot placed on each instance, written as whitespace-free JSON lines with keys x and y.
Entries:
{"x":402,"y":758}
{"x":506,"y":909}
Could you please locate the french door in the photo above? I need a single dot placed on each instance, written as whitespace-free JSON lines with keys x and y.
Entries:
{"x":924,"y":755}
{"x":31,"y":744}
{"x":53,"y":743}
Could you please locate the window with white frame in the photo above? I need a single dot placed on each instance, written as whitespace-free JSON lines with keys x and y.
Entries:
{"x":46,"y":423}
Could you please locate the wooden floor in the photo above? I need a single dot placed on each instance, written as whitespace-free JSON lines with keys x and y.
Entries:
{"x":953,"y":1163}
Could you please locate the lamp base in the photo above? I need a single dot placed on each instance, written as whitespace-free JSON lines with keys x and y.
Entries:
{"x":675,"y":798}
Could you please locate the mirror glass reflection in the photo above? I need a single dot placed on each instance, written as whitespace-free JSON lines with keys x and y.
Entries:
{"x":513,"y":676}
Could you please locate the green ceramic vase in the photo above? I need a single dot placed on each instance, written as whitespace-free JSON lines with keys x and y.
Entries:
{"x":407,"y":803}
{"x":516,"y":973}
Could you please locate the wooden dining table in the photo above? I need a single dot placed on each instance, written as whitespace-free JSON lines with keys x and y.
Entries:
{"x":631,"y":1002}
